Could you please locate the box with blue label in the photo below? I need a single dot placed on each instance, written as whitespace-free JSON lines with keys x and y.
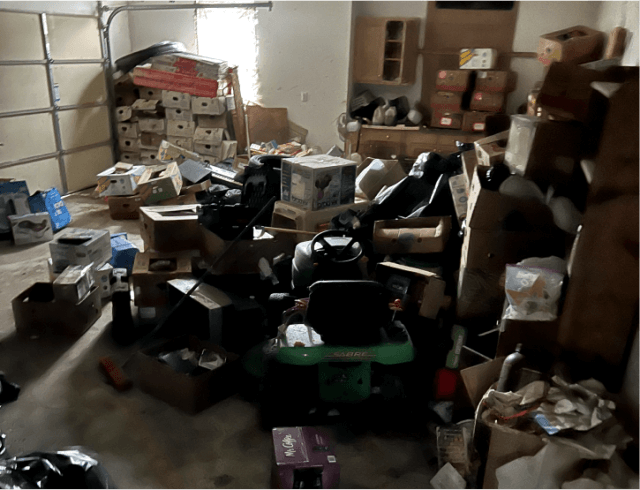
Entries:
{"x":49,"y":201}
{"x":318,"y":181}
{"x":123,"y":252}
{"x":14,"y":196}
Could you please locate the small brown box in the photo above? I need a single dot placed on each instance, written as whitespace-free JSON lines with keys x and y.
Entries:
{"x":446,"y":120}
{"x":577,"y":44}
{"x":453,"y":80}
{"x":411,"y":235}
{"x":474,"y":121}
{"x":447,"y":101}
{"x":170,"y":228}
{"x":149,"y":286}
{"x":129,"y":144}
{"x":487,"y":102}
{"x":495,"y":81}
{"x":191,"y":394}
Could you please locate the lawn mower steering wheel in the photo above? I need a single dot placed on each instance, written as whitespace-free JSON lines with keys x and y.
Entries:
{"x":333,"y":253}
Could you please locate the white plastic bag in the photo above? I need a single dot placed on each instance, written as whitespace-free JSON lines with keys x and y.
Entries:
{"x":533,"y":293}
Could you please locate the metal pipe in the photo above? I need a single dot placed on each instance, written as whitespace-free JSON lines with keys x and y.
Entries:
{"x":22,"y":62}
{"x":79,"y":62}
{"x":19,"y":11}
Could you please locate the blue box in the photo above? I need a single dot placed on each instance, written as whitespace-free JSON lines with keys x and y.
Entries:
{"x":123,"y":252}
{"x":49,"y":201}
{"x":12,"y":201}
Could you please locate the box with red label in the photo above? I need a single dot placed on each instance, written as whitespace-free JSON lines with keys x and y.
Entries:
{"x":495,"y":81}
{"x":453,"y":80}
{"x":447,"y":101}
{"x":487,"y":102}
{"x":578,"y":44}
{"x":446,"y":120}
{"x":474,"y":121}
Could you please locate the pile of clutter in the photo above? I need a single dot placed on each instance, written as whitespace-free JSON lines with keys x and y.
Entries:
{"x":30,"y":218}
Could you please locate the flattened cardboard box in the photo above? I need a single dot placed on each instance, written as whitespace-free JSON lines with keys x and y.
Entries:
{"x":191,"y":394}
{"x":170,"y":228}
{"x":149,"y":286}
{"x":160,"y":182}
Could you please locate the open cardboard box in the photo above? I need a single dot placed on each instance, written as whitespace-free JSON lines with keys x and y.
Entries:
{"x":160,"y":182}
{"x":411,"y":235}
{"x":191,"y":394}
{"x":491,"y":150}
{"x":170,"y":228}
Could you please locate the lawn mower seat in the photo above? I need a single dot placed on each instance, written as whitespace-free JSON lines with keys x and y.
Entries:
{"x":349,"y":313}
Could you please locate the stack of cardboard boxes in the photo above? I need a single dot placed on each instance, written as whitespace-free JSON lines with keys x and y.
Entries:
{"x":465,"y":98}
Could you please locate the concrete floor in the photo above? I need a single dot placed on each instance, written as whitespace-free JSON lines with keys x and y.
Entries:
{"x":141,"y":441}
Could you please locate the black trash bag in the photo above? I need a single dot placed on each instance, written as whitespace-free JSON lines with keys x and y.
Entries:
{"x":8,"y":391}
{"x":61,"y":469}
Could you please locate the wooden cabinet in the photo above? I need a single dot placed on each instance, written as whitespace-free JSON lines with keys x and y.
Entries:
{"x":385,"y":50}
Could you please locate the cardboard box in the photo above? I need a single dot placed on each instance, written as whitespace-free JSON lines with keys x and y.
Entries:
{"x":191,"y":394}
{"x":149,"y":286}
{"x":168,"y":151}
{"x":186,"y":143}
{"x":212,"y":106}
{"x":170,"y":228}
{"x":495,"y":81}
{"x":150,"y":93}
{"x":80,"y":246}
{"x":491,"y":150}
{"x":469,"y":164}
{"x":474,"y":121}
{"x":73,"y":284}
{"x":102,"y":277}
{"x":228,"y":149}
{"x":478,"y":59}
{"x":14,"y":197}
{"x":446,"y":120}
{"x":546,"y":152}
{"x":124,"y":207}
{"x":208,"y":149}
{"x":426,"y":291}
{"x":49,"y":201}
{"x":149,"y":157}
{"x":36,"y":312}
{"x":411,"y":235}
{"x":31,"y":228}
{"x":195,"y":188}
{"x":128,"y":144}
{"x":447,"y":101}
{"x":212,"y":136}
{"x":199,"y":66}
{"x":160,"y":182}
{"x":318,"y":181}
{"x":372,"y":178}
{"x":453,"y":80}
{"x":128,"y":130}
{"x":183,"y":129}
{"x":176,"y":100}
{"x":175,"y":82}
{"x":460,"y":195}
{"x":487,"y":101}
{"x":177,"y":114}
{"x":151,"y":141}
{"x":152,"y":125}
{"x":210,"y":310}
{"x":120,"y":180}
{"x":577,"y":44}
{"x":206,"y":121}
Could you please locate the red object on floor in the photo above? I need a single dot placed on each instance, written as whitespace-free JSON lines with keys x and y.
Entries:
{"x":445,"y":384}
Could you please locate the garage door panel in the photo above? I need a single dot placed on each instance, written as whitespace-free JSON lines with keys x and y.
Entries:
{"x":74,"y":37}
{"x":80,"y":84}
{"x":20,"y":37}
{"x":83,"y":166}
{"x":81,"y":127}
{"x":24,"y":88}
{"x":26,"y":136}
{"x":40,"y":175}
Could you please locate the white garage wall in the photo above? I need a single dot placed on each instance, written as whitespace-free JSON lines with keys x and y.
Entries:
{"x":622,"y":14}
{"x":150,"y":27}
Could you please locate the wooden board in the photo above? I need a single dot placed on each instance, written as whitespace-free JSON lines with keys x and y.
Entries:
{"x":266,"y":124}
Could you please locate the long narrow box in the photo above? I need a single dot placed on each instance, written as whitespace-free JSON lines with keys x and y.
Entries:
{"x":170,"y":228}
{"x":80,"y":246}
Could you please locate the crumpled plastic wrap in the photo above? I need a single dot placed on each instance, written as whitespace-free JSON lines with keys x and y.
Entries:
{"x":533,"y":293}
{"x":62,"y":469}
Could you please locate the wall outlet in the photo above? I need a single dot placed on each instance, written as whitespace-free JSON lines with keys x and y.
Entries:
{"x":304,"y":96}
